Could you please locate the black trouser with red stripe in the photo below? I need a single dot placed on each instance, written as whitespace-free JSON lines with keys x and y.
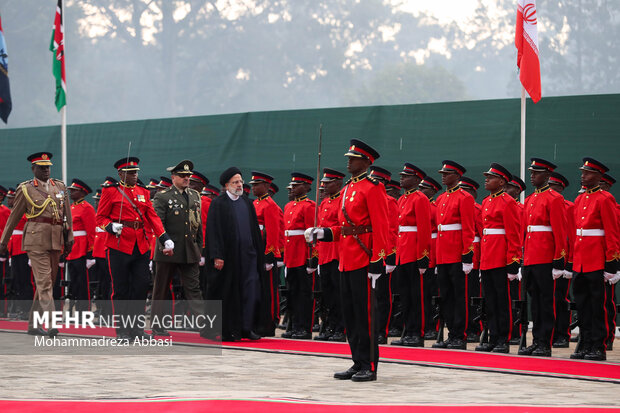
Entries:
{"x":430,"y":290}
{"x":79,"y":283}
{"x":497,"y":301}
{"x":540,"y":286}
{"x":357,"y":306}
{"x":301,"y":285}
{"x":610,"y":308}
{"x":130,"y":283}
{"x":383,"y":294}
{"x":102,"y":274}
{"x":589,"y":293}
{"x":269,"y":302}
{"x":412,"y":299}
{"x":330,"y":288}
{"x":562,"y":309}
{"x":515,"y":294}
{"x":23,"y":284}
{"x":474,"y":289}
{"x":453,"y":292}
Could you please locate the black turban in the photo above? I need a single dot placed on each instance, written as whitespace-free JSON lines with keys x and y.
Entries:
{"x":229,"y":173}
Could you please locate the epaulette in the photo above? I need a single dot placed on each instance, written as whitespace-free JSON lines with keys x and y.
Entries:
{"x":372,"y":180}
{"x":114,"y":185}
{"x":30,"y":181}
{"x":347,"y":183}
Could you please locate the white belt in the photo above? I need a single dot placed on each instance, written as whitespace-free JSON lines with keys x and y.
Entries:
{"x":97,"y":229}
{"x":449,"y":227}
{"x":494,"y":231}
{"x":406,"y":228}
{"x":590,"y":232}
{"x":476,"y":239}
{"x":17,"y":232}
{"x":79,"y":233}
{"x":262,"y":227}
{"x":433,"y":235}
{"x":539,"y":228}
{"x":293,"y":232}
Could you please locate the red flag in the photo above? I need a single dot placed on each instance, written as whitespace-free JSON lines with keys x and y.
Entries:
{"x":526,"y":41}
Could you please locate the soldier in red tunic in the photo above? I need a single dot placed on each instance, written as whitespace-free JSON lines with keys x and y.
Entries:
{"x":385,"y":284}
{"x":80,"y":260}
{"x":456,"y":230}
{"x":500,"y":255}
{"x":610,"y":286}
{"x":128,"y":242}
{"x":413,"y":254}
{"x":268,"y":214}
{"x":561,"y":330}
{"x":544,"y":253}
{"x":595,"y":258}
{"x":474,"y":288}
{"x":328,"y":257}
{"x":363,"y":232}
{"x":300,"y":260}
{"x":430,"y":187}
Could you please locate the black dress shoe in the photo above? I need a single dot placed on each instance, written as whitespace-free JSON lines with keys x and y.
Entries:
{"x":324,"y":336}
{"x":398,"y":342}
{"x":413,"y":341}
{"x":338,"y":336}
{"x":231,"y":338}
{"x":250,"y":335}
{"x":542,"y":351}
{"x":37,"y":332}
{"x":316,"y":328}
{"x":381,"y":339}
{"x":515,"y":341}
{"x":395,"y":332}
{"x":287,"y":334}
{"x":561,"y":342}
{"x":123,"y":336}
{"x":364,"y":375}
{"x":347,"y":374}
{"x":527,"y":351}
{"x":52,"y":332}
{"x":578,"y":355}
{"x":441,"y":344}
{"x":457,"y":344}
{"x":473,"y":338}
{"x":501,"y":348}
{"x":597,"y":354}
{"x":141,"y":335}
{"x":302,"y":335}
{"x":485,"y":347}
{"x":160,"y":332}
{"x":430,"y":335}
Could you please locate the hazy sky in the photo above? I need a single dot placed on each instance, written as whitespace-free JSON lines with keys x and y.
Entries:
{"x":444,"y":10}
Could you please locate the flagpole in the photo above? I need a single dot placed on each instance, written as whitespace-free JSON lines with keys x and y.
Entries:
{"x":63,"y":115}
{"x":522,"y":160}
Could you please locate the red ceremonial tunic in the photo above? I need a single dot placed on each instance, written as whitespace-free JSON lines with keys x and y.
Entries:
{"x":281,"y":239}
{"x":83,"y":216}
{"x":570,"y":228}
{"x":455,"y":206}
{"x":500,"y":212}
{"x":433,"y":249}
{"x":298,"y":216}
{"x":545,"y":207}
{"x":365,"y":202}
{"x":393,"y":218}
{"x":15,"y":242}
{"x":205,"y":202}
{"x":99,"y":247}
{"x":478,"y":237}
{"x":110,"y":209}
{"x":269,"y":222}
{"x":4,"y":216}
{"x":414,"y":210}
{"x":595,"y":209}
{"x":328,"y":217}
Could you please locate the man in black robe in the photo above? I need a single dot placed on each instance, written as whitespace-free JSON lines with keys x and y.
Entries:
{"x":234,"y":254}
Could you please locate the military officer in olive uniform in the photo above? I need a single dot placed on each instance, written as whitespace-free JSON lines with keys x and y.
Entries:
{"x":178,"y":208}
{"x":48,"y":230}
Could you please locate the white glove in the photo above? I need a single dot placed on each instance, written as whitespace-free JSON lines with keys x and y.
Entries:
{"x":285,"y":274}
{"x":467,"y":268}
{"x":151,"y":266}
{"x":117,"y":228}
{"x":309,"y":234}
{"x":202,"y":261}
{"x":310,"y":270}
{"x":568,"y":274}
{"x":2,"y":259}
{"x":436,"y":271}
{"x":90,"y":263}
{"x":615,"y":278}
{"x":374,"y":278}
{"x":608,"y":275}
{"x":280,"y":264}
{"x":9,"y":262}
{"x":557,"y":273}
{"x":389,"y":268}
{"x":30,"y":263}
{"x":268,"y":267}
{"x":422,"y":270}
{"x":60,"y":264}
{"x":513,"y":277}
{"x":169,"y":244}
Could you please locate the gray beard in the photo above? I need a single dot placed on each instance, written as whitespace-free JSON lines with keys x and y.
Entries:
{"x":237,"y":192}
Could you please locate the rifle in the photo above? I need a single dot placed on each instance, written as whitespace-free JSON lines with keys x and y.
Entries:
{"x":523,"y":317}
{"x":120,"y":214}
{"x":438,"y":317}
{"x":481,"y":316}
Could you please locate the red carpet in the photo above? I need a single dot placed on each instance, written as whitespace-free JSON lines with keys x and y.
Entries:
{"x":603,"y":371}
{"x":271,"y":406}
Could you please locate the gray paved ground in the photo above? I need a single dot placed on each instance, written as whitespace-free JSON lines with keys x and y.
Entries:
{"x":248,"y":374}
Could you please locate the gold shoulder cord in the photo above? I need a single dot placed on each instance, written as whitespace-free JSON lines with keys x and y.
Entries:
{"x":41,"y":208}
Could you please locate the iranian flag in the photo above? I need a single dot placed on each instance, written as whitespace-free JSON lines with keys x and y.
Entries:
{"x":526,"y":41}
{"x":57,"y":47}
